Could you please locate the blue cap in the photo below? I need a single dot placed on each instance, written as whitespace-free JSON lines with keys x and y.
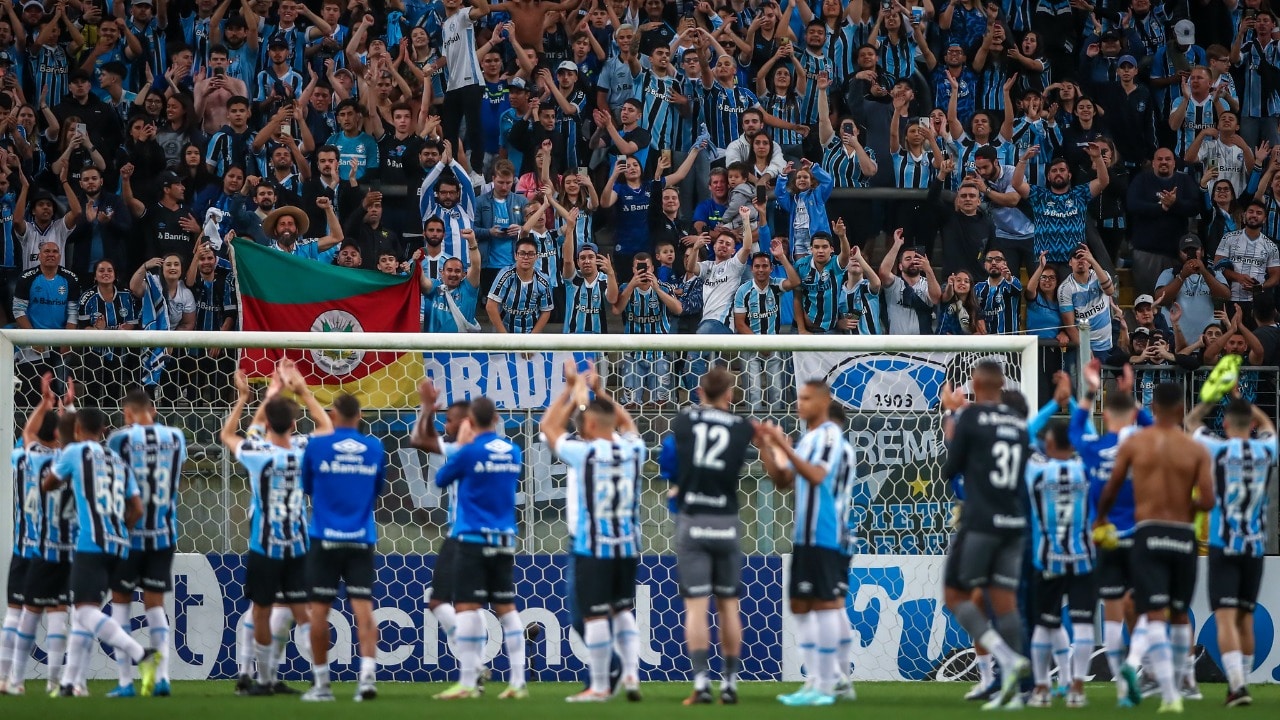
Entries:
{"x":1127,"y":60}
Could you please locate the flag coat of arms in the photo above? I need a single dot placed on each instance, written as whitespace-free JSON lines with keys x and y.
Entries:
{"x":283,"y":293}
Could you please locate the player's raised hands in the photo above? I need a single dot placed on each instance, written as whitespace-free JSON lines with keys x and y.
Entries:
{"x":1062,"y":389}
{"x":428,"y":395}
{"x":952,"y":398}
{"x":466,"y":433}
{"x":242,"y":386}
{"x":47,"y":397}
{"x":1093,"y":375}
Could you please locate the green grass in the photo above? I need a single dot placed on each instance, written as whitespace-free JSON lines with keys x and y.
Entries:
{"x":895,"y":701}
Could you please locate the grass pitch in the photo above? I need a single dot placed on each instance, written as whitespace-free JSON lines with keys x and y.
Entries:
{"x":215,"y":700}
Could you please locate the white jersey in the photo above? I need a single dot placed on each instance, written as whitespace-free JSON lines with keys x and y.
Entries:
{"x":34,"y":237}
{"x":720,"y":283}
{"x":460,"y":50}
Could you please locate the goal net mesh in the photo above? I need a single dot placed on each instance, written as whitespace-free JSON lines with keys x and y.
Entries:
{"x":902,"y":511}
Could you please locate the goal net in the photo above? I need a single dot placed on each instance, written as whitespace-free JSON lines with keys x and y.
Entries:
{"x":889,"y":385}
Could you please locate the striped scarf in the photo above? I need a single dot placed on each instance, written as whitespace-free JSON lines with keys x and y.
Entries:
{"x":154,"y":316}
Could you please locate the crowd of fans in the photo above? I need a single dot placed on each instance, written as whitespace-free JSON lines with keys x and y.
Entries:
{"x":652,"y":166}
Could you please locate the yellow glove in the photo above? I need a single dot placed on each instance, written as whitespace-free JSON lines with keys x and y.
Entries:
{"x":1104,"y":536}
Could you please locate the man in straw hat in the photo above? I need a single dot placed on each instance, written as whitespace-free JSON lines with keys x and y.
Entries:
{"x":286,"y":228}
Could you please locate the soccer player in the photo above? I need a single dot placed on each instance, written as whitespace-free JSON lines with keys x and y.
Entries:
{"x":987,"y":444}
{"x":343,"y":473}
{"x":107,"y":505}
{"x":819,"y":567}
{"x":272,"y":454}
{"x":1113,"y":577}
{"x":441,"y":596}
{"x":1062,"y":552}
{"x":486,"y":469}
{"x":711,"y":448}
{"x":44,"y":536}
{"x":1166,"y":465}
{"x":1241,"y":465}
{"x":154,"y":454}
{"x":604,"y":523}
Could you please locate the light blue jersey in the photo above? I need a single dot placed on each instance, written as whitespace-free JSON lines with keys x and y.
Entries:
{"x":822,"y":511}
{"x":602,"y":508}
{"x":29,"y":466}
{"x":1061,"y":521}
{"x":102,"y":485}
{"x":154,"y":454}
{"x":1238,"y":520}
{"x":277,"y":512}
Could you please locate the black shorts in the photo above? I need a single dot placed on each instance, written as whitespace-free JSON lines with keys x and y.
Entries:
{"x":91,"y":574}
{"x":268,"y":581}
{"x":708,"y":555}
{"x":16,"y":585}
{"x":1113,"y":575}
{"x":1164,"y":566}
{"x":446,"y":566}
{"x":604,"y":585}
{"x":147,"y":570}
{"x":1081,"y":594}
{"x":1234,"y":581}
{"x":483,"y":573}
{"x":331,"y":562}
{"x":48,"y":583}
{"x":983,"y":559}
{"x":818,"y":574}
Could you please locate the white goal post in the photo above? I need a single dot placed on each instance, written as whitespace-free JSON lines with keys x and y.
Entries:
{"x":889,"y":385}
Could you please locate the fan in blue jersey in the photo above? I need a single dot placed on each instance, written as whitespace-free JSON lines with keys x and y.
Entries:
{"x":1172,"y":479}
{"x":424,"y":437}
{"x":343,"y":473}
{"x":1241,"y":465}
{"x":1000,"y":296}
{"x":154,"y":454}
{"x":861,"y":303}
{"x":1062,"y":552}
{"x":520,"y":300}
{"x":590,"y":284}
{"x":44,"y":532}
{"x":486,"y":471}
{"x":819,"y":566}
{"x":757,"y":310}
{"x":604,"y":524}
{"x":646,"y":308}
{"x":275,"y":568}
{"x":1059,"y":208}
{"x":107,"y":505}
{"x":450,"y":300}
{"x":1113,"y":574}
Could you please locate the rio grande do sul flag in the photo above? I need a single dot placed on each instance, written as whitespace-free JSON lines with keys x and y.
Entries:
{"x":283,"y":293}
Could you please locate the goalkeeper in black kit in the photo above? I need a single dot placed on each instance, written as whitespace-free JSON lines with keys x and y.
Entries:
{"x":987,"y":443}
{"x":711,"y":449}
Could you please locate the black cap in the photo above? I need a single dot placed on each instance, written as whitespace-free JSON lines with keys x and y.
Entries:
{"x":1189,"y":241}
{"x":1111,"y":35}
{"x":42,"y":194}
{"x":79,"y":74}
{"x":167,"y":178}
{"x":277,"y":42}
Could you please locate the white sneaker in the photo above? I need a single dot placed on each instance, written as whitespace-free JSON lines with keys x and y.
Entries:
{"x":366,"y":691}
{"x":318,"y":694}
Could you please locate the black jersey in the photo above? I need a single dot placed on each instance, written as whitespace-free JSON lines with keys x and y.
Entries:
{"x":989,"y":449}
{"x":711,"y":448}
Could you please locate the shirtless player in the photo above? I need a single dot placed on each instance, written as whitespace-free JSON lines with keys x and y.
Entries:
{"x":1166,"y":466}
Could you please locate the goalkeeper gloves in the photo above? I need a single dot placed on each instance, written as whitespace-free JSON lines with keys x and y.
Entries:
{"x":1104,"y":536}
